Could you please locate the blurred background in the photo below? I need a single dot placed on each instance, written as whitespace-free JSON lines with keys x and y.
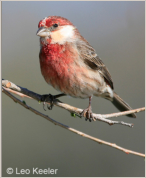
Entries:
{"x":117,"y":31}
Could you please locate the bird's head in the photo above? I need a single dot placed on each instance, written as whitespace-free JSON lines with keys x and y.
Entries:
{"x":56,"y":29}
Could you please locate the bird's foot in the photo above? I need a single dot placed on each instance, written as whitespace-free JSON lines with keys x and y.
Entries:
{"x":87,"y":113}
{"x":50,"y":98}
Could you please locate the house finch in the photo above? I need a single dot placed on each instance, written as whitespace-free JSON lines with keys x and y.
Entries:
{"x":71,"y":65}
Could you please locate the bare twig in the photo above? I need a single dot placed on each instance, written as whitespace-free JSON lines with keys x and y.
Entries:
{"x":124,"y":113}
{"x":27,"y":93}
{"x":71,"y":129}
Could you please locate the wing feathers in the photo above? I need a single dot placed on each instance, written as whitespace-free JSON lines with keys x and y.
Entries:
{"x":90,"y":58}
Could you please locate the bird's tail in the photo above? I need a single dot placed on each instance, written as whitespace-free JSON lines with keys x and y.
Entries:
{"x":121,"y":105}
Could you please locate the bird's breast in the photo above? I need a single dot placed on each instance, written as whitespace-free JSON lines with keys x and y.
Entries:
{"x":56,"y":62}
{"x":63,"y":68}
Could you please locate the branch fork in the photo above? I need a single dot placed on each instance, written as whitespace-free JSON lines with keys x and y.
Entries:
{"x":8,"y":87}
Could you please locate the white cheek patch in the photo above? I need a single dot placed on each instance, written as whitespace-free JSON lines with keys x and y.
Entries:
{"x":64,"y":34}
{"x":67,"y":31}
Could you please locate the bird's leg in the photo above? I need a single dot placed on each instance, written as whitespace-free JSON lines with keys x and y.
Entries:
{"x":50,"y":98}
{"x":88,"y":111}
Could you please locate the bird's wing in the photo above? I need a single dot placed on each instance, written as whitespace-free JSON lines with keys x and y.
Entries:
{"x":90,"y":57}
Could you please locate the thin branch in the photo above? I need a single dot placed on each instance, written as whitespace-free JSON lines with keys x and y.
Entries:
{"x":123,"y":113}
{"x":27,"y":93}
{"x":71,"y":109}
{"x":69,"y":128}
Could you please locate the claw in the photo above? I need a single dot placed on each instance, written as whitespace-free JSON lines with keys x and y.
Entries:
{"x":44,"y":103}
{"x":51,"y":105}
{"x":88,"y":112}
{"x":50,"y":98}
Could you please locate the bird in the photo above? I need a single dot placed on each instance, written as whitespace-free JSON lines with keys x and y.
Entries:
{"x":71,"y":65}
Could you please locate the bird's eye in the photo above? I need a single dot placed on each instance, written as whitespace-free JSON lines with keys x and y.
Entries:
{"x":55,"y":25}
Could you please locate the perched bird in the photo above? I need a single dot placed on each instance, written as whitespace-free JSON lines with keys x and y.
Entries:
{"x":71,"y":65}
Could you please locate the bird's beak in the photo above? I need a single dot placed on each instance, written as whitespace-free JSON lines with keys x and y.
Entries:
{"x":43,"y":32}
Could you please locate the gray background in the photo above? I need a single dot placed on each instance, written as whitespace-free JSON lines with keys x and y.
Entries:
{"x":116,"y":30}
